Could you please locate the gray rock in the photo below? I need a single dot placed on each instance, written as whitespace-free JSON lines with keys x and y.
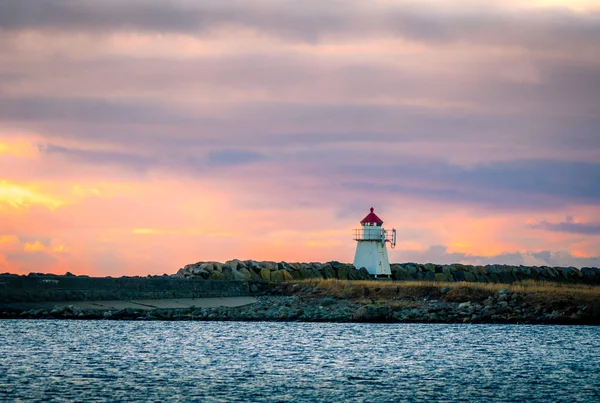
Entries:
{"x":265,"y":274}
{"x":327,"y":272}
{"x":197,"y":271}
{"x":207,"y":266}
{"x":216,"y":275}
{"x":342,"y":272}
{"x":363,"y":274}
{"x":283,"y":266}
{"x":239,"y":275}
{"x":277,"y":275}
{"x":269,"y":265}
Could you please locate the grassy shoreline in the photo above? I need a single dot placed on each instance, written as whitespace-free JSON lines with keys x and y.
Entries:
{"x":355,"y":289}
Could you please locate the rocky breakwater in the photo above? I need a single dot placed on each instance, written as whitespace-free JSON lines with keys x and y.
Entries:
{"x":493,"y":273}
{"x":250,"y":270}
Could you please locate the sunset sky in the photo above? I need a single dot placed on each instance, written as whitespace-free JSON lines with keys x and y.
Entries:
{"x":140,"y":136}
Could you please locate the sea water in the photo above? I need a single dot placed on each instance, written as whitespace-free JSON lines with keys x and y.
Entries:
{"x":55,"y":360}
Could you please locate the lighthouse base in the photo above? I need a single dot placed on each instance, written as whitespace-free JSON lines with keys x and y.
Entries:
{"x":372,"y":255}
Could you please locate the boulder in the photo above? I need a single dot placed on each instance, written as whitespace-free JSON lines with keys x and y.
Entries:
{"x":231,"y":264}
{"x":327,"y":271}
{"x":238,"y":275}
{"x":430,"y":267}
{"x":401,"y":274}
{"x":208,"y":266}
{"x":341,"y":271}
{"x":216,"y":275}
{"x":228,"y":272}
{"x":307,"y":272}
{"x":363,"y":274}
{"x":283,"y":266}
{"x":265,"y":274}
{"x":572,"y":273}
{"x":269,"y":265}
{"x":316,"y":266}
{"x":245,"y":273}
{"x":196,"y":271}
{"x":371,"y":313}
{"x":286,"y":275}
{"x":591,"y":274}
{"x":253,"y":265}
{"x":449,"y":272}
{"x":356,"y":274}
{"x":277,"y":275}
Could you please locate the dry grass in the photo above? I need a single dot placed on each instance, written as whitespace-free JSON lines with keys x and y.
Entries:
{"x":553,"y":292}
{"x":463,"y":291}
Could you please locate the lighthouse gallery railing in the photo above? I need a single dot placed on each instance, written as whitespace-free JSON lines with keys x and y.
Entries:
{"x":375,"y":234}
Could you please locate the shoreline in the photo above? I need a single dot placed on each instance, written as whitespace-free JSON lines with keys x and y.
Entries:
{"x":322,"y":302}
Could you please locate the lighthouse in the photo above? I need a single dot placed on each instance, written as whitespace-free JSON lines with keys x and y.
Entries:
{"x":371,"y":252}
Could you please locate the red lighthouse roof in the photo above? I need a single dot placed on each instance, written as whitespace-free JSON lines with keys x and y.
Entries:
{"x":371,"y":218}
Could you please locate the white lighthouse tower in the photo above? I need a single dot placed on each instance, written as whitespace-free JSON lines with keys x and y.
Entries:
{"x":371,"y":252}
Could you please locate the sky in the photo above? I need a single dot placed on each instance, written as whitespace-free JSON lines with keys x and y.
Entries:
{"x":137,"y":137}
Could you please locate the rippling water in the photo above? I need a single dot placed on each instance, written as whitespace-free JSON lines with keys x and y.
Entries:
{"x":243,"y":361}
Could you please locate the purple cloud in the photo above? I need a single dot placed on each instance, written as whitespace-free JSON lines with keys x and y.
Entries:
{"x":569,"y":226}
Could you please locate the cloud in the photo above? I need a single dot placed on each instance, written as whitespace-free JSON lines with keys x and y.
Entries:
{"x":31,"y":261}
{"x":312,"y":20}
{"x":43,"y":240}
{"x":177,"y":112}
{"x":517,"y":184}
{"x":569,"y":226}
{"x":233,"y":157}
{"x":19,"y":196}
{"x":88,"y":110}
{"x":172,"y":160}
{"x":439,"y":254}
{"x":94,"y":157}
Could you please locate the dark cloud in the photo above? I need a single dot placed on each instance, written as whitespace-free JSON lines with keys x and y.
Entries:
{"x":516,"y":184}
{"x":97,"y":157}
{"x":311,"y":20}
{"x":85,"y":110}
{"x":569,"y":226}
{"x":479,"y":83}
{"x":168,"y":159}
{"x":277,"y":124}
{"x":439,"y":254}
{"x":233,"y":157}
